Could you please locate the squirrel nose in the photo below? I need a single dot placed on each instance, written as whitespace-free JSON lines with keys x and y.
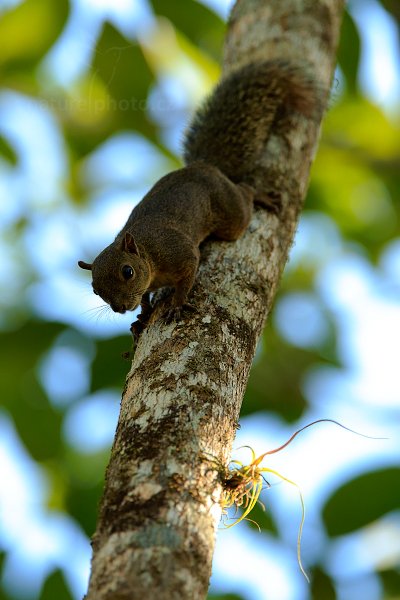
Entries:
{"x":119,"y":309}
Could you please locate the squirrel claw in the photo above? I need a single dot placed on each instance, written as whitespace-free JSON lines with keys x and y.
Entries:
{"x":188,"y":307}
{"x":175,"y":313}
{"x":271,"y":201}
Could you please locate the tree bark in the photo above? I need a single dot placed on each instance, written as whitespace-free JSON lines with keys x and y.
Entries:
{"x":182,"y":398}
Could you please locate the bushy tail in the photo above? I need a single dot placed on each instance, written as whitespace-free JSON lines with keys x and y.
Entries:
{"x":231,"y":128}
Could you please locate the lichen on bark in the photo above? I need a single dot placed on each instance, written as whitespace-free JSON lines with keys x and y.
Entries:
{"x":181,"y":403}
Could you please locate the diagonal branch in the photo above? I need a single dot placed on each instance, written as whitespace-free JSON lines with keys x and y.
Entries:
{"x":157,"y":523}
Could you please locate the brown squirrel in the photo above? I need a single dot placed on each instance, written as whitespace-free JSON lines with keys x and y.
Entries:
{"x":211,"y":195}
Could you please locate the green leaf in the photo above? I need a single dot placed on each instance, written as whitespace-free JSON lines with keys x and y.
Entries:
{"x":55,"y":587}
{"x":275,"y":377}
{"x":86,"y":115}
{"x":391,"y":583}
{"x":125,"y":73}
{"x":109,"y":368}
{"x":363,"y":144}
{"x":361,"y":501}
{"x":111,"y":97}
{"x":322,"y":586}
{"x":200,"y":24}
{"x":24,"y":346}
{"x":393,"y":7}
{"x":362,"y":129}
{"x":37,"y":422}
{"x":166,"y":52}
{"x":83,"y":500}
{"x":349,"y":51}
{"x":7,"y":152}
{"x":29,"y":30}
{"x":3,"y":593}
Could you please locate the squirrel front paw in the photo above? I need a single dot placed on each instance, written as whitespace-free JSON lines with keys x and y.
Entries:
{"x":136,"y":329}
{"x":174,"y":313}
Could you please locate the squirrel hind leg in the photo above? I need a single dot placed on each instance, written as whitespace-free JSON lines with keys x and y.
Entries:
{"x":234,"y":210}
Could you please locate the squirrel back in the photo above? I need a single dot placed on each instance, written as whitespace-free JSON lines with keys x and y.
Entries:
{"x":230,"y":130}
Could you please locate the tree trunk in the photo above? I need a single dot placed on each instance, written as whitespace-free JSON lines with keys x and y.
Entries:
{"x":182,"y":398}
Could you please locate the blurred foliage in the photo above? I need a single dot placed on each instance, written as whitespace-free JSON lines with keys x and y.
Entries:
{"x":378,"y":492}
{"x":55,"y":587}
{"x":322,"y":586}
{"x":201,"y":25}
{"x":27,"y":32}
{"x":355,"y":182}
{"x":349,"y":52}
{"x":22,"y":393}
{"x":224,"y":597}
{"x":275,"y":355}
{"x":7,"y":152}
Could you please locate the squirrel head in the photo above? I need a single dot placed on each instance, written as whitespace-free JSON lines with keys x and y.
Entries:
{"x":120,"y":275}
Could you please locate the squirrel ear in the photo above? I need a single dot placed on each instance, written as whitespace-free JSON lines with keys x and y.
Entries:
{"x":84,"y":265}
{"x":130,"y":244}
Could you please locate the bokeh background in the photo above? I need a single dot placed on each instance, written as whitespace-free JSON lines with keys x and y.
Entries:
{"x":95,"y":95}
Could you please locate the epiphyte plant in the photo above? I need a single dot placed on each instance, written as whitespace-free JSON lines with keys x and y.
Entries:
{"x":243,"y":484}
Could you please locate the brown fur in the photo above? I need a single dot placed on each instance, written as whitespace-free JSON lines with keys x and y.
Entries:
{"x":160,"y":241}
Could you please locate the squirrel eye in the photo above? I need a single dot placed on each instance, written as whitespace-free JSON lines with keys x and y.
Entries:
{"x":127,"y":272}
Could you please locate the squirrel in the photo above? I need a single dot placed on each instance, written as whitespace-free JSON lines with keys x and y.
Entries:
{"x":212,"y":195}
